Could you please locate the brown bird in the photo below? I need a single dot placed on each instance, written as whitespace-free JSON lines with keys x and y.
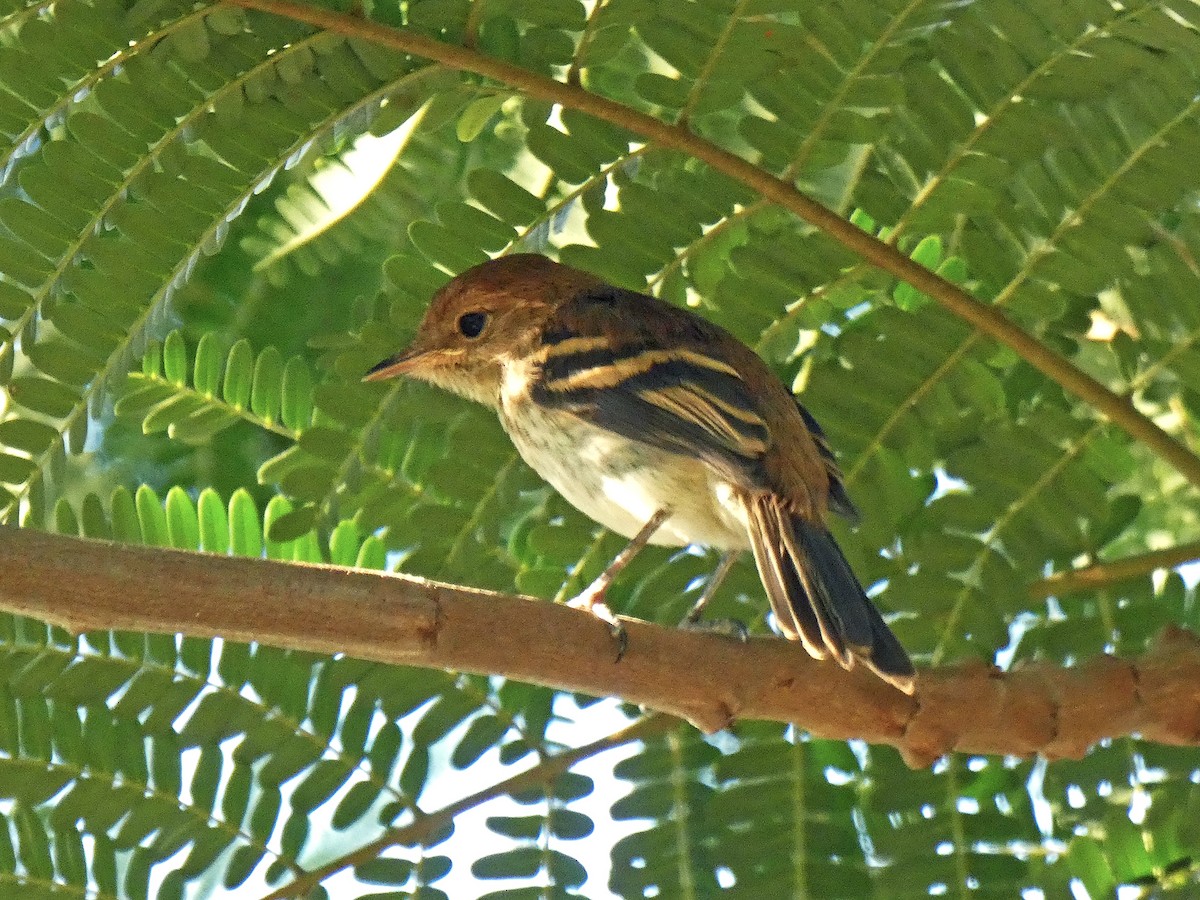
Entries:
{"x":664,"y":428}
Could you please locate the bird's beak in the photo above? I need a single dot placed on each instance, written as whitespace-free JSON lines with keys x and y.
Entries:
{"x":394,"y":366}
{"x":411,"y":362}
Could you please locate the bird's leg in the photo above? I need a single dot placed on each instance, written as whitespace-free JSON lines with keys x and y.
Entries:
{"x":728,"y":558}
{"x":591,"y":598}
{"x":726,"y":626}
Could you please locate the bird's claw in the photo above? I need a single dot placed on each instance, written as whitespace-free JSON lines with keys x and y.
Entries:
{"x":621,"y":636}
{"x":597,"y":607}
{"x":732,"y":628}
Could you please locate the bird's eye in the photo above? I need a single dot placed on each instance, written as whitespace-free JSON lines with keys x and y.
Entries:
{"x":472,"y":324}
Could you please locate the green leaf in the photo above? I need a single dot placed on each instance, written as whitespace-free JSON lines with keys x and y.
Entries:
{"x":175,"y":360}
{"x":13,"y":301}
{"x":239,"y":375}
{"x":243,"y":862}
{"x":213,"y":522}
{"x":297,"y":395}
{"x":372,"y":554}
{"x":266,"y":811}
{"x":183,"y":526}
{"x":293,"y":524}
{"x":518,"y":827}
{"x":321,"y":783}
{"x":507,"y":200}
{"x":344,"y":544}
{"x":443,"y":246}
{"x":43,"y":395}
{"x":152,"y":517}
{"x":384,"y":870}
{"x":95,"y":523}
{"x":928,"y":253}
{"x":126,"y":526}
{"x":206,"y":375}
{"x":64,"y":518}
{"x":245,"y":529}
{"x":174,"y":408}
{"x":41,"y":231}
{"x":140,"y":397}
{"x":200,"y":425}
{"x":523,"y":862}
{"x":27,"y":435}
{"x":483,"y":733}
{"x":90,"y":680}
{"x":1089,"y":865}
{"x":475,"y":117}
{"x":15,"y":469}
{"x":354,"y":804}
{"x":267,"y":385}
{"x":568,"y":825}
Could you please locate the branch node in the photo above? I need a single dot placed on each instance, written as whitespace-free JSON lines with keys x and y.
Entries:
{"x":1091,"y":701}
{"x":429,"y":636}
{"x":1168,"y":678}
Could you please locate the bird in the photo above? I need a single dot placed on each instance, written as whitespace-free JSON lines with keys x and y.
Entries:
{"x":662,"y":427}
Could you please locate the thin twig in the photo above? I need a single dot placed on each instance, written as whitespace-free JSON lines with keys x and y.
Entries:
{"x":1103,"y":574}
{"x":419,"y":830}
{"x":986,"y":319}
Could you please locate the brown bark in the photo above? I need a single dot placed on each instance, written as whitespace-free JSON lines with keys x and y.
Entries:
{"x":710,"y":680}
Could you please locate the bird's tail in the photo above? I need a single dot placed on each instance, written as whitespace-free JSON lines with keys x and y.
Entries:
{"x":816,"y":597}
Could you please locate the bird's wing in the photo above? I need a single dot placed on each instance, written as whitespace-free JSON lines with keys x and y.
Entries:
{"x":645,"y":370}
{"x":839,"y":499}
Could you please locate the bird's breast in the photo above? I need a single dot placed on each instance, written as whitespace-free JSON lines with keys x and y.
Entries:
{"x":620,"y":482}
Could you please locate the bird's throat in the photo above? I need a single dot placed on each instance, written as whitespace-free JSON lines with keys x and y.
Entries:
{"x":481,"y":385}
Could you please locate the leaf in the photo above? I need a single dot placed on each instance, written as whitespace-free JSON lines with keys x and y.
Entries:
{"x":475,"y":117}
{"x":292,"y":524}
{"x":1040,"y":155}
{"x":297,"y":395}
{"x":372,"y":554}
{"x":443,"y":246}
{"x":152,"y":518}
{"x":354,"y":804}
{"x":27,"y":435}
{"x":15,"y":469}
{"x":384,"y":870}
{"x":246,"y":537}
{"x":183,"y":525}
{"x":928,"y":253}
{"x":344,"y":544}
{"x":174,"y":359}
{"x":482,"y":734}
{"x":43,"y":395}
{"x":325,"y":778}
{"x":206,"y":375}
{"x":504,"y":198}
{"x":267,"y":385}
{"x":239,"y":375}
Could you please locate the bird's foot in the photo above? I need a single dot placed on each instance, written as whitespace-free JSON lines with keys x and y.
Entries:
{"x":591,"y":598}
{"x":732,"y":628}
{"x":593,"y":602}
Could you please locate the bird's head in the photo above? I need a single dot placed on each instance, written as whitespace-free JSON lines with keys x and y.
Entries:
{"x":488,"y":316}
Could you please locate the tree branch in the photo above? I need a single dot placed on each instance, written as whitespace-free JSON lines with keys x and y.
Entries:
{"x":986,"y":319}
{"x":420,"y":830}
{"x":1103,"y":574}
{"x":710,"y":680}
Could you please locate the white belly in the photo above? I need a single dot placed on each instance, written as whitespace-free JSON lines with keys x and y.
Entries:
{"x":621,"y":483}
